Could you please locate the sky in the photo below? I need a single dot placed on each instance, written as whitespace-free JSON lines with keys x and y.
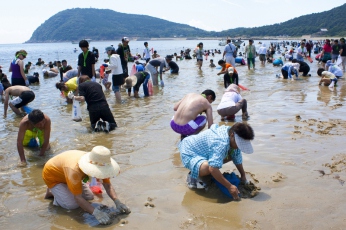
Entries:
{"x":20,"y":18}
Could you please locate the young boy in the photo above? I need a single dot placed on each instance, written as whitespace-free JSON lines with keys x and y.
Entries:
{"x":229,"y":77}
{"x":212,"y":63}
{"x":328,"y":78}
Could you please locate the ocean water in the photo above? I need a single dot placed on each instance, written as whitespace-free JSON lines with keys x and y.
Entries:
{"x":287,"y":150}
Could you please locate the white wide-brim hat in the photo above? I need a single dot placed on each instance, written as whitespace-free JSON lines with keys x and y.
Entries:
{"x":244,"y":145}
{"x":99,"y":163}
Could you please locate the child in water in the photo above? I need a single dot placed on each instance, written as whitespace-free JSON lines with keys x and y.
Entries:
{"x":212,"y":63}
{"x":105,"y":81}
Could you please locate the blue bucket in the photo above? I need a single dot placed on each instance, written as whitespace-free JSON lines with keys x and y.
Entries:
{"x":232,"y":178}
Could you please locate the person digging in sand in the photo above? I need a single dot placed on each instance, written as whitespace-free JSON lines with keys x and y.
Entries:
{"x":66,"y":175}
{"x":231,"y":103}
{"x":187,"y":119}
{"x":205,"y":153}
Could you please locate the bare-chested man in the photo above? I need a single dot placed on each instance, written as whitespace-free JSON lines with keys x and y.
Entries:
{"x":33,"y":126}
{"x":187,"y":119}
{"x":24,"y":96}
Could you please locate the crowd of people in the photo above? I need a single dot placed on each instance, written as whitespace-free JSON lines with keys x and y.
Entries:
{"x":202,"y":152}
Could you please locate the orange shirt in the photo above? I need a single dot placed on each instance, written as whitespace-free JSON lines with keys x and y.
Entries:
{"x":64,"y":168}
{"x":227,"y":66}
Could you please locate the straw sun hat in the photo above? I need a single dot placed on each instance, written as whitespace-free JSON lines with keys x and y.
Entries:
{"x":130,"y":82}
{"x":98,"y":163}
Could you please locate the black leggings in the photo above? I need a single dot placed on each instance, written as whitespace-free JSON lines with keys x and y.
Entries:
{"x":284,"y":74}
{"x":227,"y":79}
{"x":102,"y":112}
{"x":305,"y":69}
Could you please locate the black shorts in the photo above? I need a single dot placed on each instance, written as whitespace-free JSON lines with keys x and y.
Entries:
{"x":25,"y":98}
{"x":118,"y":79}
{"x":18,"y":81}
{"x":198,"y":59}
{"x":147,"y":60}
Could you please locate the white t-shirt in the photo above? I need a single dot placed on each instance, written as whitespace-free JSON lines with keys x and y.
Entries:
{"x":229,"y":99}
{"x":146,"y":52}
{"x":229,"y":49}
{"x":199,"y":53}
{"x":115,"y":64}
{"x":262,"y":50}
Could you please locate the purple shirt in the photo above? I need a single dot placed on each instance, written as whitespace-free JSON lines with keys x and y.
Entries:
{"x":15,"y":70}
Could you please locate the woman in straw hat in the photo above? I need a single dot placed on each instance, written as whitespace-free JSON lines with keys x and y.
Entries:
{"x":67,"y":173}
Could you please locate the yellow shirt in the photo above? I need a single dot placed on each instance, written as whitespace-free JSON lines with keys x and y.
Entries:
{"x":64,"y":168}
{"x":71,"y":85}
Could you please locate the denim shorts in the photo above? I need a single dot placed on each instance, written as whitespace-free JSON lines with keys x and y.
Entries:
{"x":116,"y":88}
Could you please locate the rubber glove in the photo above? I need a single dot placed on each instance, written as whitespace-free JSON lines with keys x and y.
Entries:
{"x":70,"y":95}
{"x":121,"y":207}
{"x":105,"y":65}
{"x":162,"y":83}
{"x":27,"y":83}
{"x":101,"y":217}
{"x":93,"y":79}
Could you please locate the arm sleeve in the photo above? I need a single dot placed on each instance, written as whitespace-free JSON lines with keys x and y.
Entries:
{"x":112,"y":63}
{"x":161,"y":67}
{"x":81,"y":90}
{"x":80,"y":60}
{"x":237,"y":157}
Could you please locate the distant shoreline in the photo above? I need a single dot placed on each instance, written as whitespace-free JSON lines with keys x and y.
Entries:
{"x":307,"y":37}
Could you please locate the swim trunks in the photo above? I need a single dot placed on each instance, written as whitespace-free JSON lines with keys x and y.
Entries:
{"x":191,"y":127}
{"x":23,"y":99}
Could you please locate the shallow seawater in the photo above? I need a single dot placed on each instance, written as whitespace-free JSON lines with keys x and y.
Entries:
{"x":288,"y":151}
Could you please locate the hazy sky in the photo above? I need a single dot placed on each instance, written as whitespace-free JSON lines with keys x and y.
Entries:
{"x":20,"y":18}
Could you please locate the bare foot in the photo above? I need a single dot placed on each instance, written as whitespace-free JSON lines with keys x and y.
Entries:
{"x":49,"y":194}
{"x":22,"y":164}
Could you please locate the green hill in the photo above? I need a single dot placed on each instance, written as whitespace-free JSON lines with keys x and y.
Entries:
{"x":332,"y":20}
{"x":103,"y":24}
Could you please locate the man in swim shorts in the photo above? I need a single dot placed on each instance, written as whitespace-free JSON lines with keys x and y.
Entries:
{"x":23,"y":94}
{"x":205,"y":153}
{"x":187,"y":119}
{"x":33,"y":126}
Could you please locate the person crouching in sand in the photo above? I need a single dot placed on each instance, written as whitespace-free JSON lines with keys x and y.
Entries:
{"x":33,"y":126}
{"x":231,"y":103}
{"x":66,"y":175}
{"x":187,"y":119}
{"x":205,"y":153}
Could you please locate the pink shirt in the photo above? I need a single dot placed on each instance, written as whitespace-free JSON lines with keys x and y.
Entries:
{"x":327,"y":48}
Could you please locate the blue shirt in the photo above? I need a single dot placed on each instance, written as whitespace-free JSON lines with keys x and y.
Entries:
{"x":211,"y":145}
{"x":289,"y":68}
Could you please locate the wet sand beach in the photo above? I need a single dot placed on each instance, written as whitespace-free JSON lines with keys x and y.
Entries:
{"x":298,"y":161}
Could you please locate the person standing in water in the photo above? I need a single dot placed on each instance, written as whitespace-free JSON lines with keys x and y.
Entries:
{"x":86,"y":61}
{"x":199,"y":51}
{"x":229,"y":52}
{"x":125,"y":54}
{"x":17,"y":69}
{"x":33,"y":126}
{"x":114,"y":64}
{"x":250,"y":52}
{"x":146,"y":52}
